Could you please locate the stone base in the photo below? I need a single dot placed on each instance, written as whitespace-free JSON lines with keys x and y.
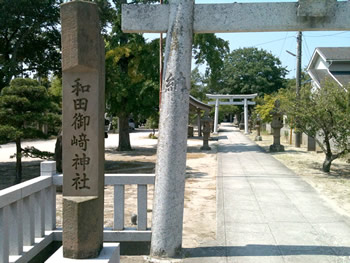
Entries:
{"x":258,"y":138}
{"x":109,"y":254}
{"x":276,"y":148}
{"x":241,"y":126}
{"x":205,"y":148}
{"x":82,"y":226}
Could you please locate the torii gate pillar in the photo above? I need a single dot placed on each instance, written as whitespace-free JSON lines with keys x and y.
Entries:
{"x":216,"y":117}
{"x":246,"y":131}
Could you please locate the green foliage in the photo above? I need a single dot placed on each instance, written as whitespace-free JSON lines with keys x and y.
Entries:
{"x":267,"y":104}
{"x":29,"y":38}
{"x":250,"y":70}
{"x":24,"y":107}
{"x":210,"y":50}
{"x":198,"y":89}
{"x":323,"y":113}
{"x":36,"y":153}
{"x":152,"y":122}
{"x":226,"y":110}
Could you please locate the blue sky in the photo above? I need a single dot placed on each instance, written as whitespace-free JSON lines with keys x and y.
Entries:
{"x":278,"y":42}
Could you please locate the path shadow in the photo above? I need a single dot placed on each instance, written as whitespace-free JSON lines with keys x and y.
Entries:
{"x":130,"y":167}
{"x":239,"y":147}
{"x":266,"y":250}
{"x":136,"y":151}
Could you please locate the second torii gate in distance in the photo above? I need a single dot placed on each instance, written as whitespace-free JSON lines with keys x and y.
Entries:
{"x":243,"y":100}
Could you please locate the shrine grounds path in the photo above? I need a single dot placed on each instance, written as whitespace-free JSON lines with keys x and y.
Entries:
{"x":266,"y":213}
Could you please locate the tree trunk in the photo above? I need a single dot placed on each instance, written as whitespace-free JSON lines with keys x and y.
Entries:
{"x":124,"y":138}
{"x":326,"y":167}
{"x":58,"y":153}
{"x":18,"y":178}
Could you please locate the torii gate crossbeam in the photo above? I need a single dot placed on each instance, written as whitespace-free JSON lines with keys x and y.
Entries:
{"x":243,"y":17}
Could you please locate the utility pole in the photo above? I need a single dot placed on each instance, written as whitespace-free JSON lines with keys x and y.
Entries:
{"x":298,"y":134}
{"x":160,"y":65}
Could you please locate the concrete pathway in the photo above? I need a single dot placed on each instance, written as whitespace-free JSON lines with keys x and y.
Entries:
{"x":266,"y":213}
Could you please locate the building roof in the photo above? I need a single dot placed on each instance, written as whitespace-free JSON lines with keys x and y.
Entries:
{"x":198,"y":105}
{"x":334,"y":53}
{"x":336,"y":65}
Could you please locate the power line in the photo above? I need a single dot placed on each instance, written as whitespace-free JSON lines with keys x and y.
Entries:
{"x":329,"y":34}
{"x":272,"y":41}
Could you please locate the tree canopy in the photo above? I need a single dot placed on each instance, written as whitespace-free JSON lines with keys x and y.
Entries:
{"x":29,"y":39}
{"x":25,"y":107}
{"x":324,"y":115}
{"x":250,"y":70}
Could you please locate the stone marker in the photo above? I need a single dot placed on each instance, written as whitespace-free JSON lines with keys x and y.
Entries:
{"x":206,"y":120}
{"x":83,"y":130}
{"x":277,"y":124}
{"x":258,"y":127}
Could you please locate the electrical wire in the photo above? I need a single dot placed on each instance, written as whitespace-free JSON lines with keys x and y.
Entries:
{"x":330,"y":35}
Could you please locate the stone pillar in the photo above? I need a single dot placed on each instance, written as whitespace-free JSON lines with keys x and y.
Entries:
{"x":236,"y":122}
{"x":216,"y":118}
{"x":246,"y":117}
{"x":241,"y":121}
{"x":276,"y":124}
{"x":258,"y":128}
{"x":311,"y":144}
{"x":199,"y":124}
{"x":83,"y":130}
{"x":206,"y":120}
{"x":168,"y":204}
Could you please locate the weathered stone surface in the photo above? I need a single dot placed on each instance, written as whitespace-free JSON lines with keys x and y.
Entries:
{"x":248,"y":17}
{"x":167,"y":218}
{"x":82,"y":233}
{"x":316,"y":8}
{"x":83,"y":129}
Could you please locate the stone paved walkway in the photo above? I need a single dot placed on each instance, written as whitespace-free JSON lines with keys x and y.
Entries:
{"x":266,"y":213}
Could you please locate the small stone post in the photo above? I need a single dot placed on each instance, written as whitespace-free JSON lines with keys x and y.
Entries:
{"x":235,"y":121}
{"x":83,"y":130}
{"x":277,"y":124}
{"x":258,"y":127}
{"x":168,"y":204}
{"x":206,"y":120}
{"x":241,"y":122}
{"x":311,"y":144}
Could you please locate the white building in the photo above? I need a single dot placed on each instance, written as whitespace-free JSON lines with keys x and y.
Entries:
{"x":331,"y":62}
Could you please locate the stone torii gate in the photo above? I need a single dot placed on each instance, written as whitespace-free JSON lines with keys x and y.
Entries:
{"x":244,"y":100}
{"x":180,"y":19}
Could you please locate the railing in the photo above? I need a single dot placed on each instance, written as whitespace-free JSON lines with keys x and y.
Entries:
{"x":28,"y":213}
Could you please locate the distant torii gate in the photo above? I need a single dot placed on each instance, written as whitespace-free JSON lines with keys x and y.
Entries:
{"x":243,"y":101}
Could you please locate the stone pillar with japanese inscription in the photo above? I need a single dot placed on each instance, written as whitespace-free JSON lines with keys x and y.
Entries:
{"x":83,"y":130}
{"x":168,"y":203}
